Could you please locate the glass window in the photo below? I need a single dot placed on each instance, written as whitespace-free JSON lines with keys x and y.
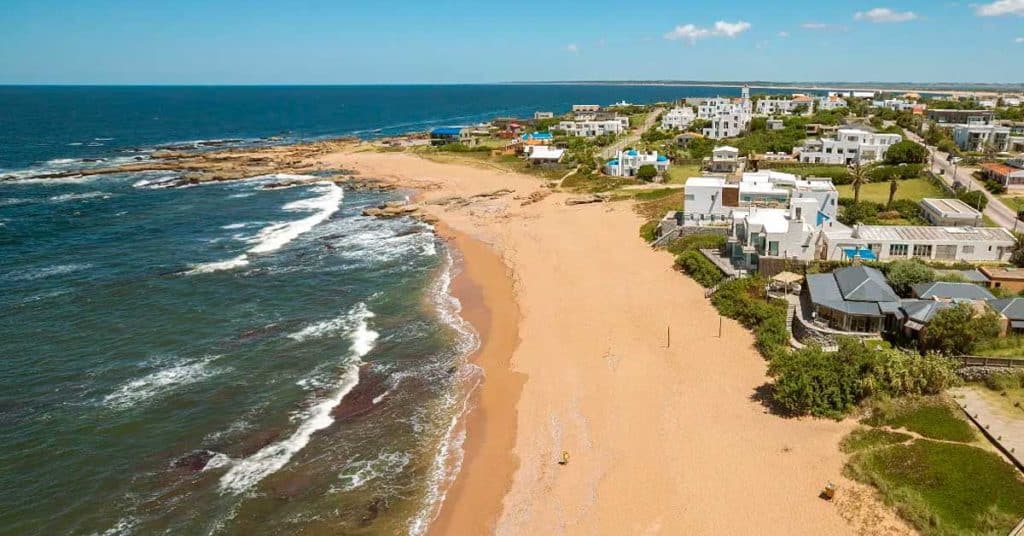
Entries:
{"x":897,"y":250}
{"x":968,"y":250}
{"x":923,"y":250}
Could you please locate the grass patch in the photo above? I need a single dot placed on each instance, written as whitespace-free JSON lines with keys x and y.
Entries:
{"x":932,"y":417}
{"x":679,"y":174}
{"x":1013,"y":202}
{"x":868,"y":438}
{"x":911,"y":189}
{"x":944,"y":488}
{"x":653,"y":204}
{"x":647,"y":230}
{"x":1011,"y":346}
{"x":596,"y":183}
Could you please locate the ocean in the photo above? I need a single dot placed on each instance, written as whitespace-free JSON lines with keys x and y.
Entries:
{"x":229,"y":359}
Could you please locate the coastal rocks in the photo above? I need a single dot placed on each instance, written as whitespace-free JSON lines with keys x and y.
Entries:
{"x":397,"y":210}
{"x":535,"y":197}
{"x":587,"y":199}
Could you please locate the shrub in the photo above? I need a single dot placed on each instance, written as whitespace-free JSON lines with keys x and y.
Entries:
{"x":647,"y":172}
{"x":904,"y":273}
{"x":702,"y":270}
{"x":886,"y":173}
{"x":975,"y":199}
{"x":958,"y":330}
{"x":744,"y":300}
{"x":1004,"y":381}
{"x":648,"y":229}
{"x":862,"y":212}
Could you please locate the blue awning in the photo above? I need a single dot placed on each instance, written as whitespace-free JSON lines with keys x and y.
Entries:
{"x":863,"y":253}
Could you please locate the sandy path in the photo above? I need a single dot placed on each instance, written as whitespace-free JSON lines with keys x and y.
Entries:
{"x":662,"y":440}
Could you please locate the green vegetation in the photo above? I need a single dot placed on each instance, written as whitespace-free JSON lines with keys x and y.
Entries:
{"x":944,"y":485}
{"x":878,"y":192}
{"x":906,"y":152}
{"x":701,"y":147}
{"x":1009,"y":346}
{"x":867,"y":438}
{"x":974,"y":198}
{"x":647,"y":230}
{"x":647,"y":172}
{"x":944,"y":488}
{"x":677,"y":174}
{"x":931,"y":417}
{"x":839,"y":174}
{"x":904,"y":273}
{"x":830,"y":384}
{"x":745,"y":300}
{"x":959,"y":330}
{"x":655,"y":203}
{"x":698,"y":267}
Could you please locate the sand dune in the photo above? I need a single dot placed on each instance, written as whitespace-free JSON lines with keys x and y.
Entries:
{"x":663,"y":440}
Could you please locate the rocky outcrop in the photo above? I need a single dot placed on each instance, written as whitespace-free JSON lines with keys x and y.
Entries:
{"x":586,"y":199}
{"x":397,"y":210}
{"x":535,"y":197}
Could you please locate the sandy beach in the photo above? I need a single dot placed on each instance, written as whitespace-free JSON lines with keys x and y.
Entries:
{"x":663,"y":438}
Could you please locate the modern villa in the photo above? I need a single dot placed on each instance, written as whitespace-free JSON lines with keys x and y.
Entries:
{"x":891,"y":242}
{"x":627,"y":163}
{"x":677,"y":118}
{"x":594,"y":128}
{"x":850,"y":146}
{"x":855,"y":299}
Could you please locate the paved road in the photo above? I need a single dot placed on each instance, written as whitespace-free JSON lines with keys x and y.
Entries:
{"x":632,"y":138}
{"x":996,"y":210}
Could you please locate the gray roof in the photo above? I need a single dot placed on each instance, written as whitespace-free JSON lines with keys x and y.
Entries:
{"x":864,"y":284}
{"x":856,"y":290}
{"x":1012,"y":308}
{"x":922,"y":311}
{"x":924,"y":233}
{"x":974,"y":276}
{"x":962,"y":291}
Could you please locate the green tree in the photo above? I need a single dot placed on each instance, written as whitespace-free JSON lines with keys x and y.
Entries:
{"x":959,"y":329}
{"x":974,"y":198}
{"x":904,"y":273}
{"x":860,"y":177}
{"x":647,"y":172}
{"x":1017,"y":254}
{"x":906,"y":152}
{"x":893,"y":186}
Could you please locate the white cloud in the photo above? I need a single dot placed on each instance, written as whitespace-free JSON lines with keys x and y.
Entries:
{"x":1000,"y":8}
{"x":884,"y":14}
{"x":1019,"y":40}
{"x":783,"y":34}
{"x":693,"y":33}
{"x":814,"y":25}
{"x":573,"y":47}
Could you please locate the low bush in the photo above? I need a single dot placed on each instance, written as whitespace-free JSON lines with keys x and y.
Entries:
{"x":648,"y":229}
{"x":745,"y":300}
{"x":975,"y":199}
{"x":702,"y":270}
{"x":462,"y":148}
{"x":867,"y":438}
{"x":1004,"y":381}
{"x":695,"y":242}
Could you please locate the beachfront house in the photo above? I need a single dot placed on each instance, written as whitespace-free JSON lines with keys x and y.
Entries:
{"x":855,"y":299}
{"x":831,"y":102}
{"x":678,"y":118}
{"x":586,"y":108}
{"x":950,"y":213}
{"x":543,"y":115}
{"x":450,"y":135}
{"x":891,"y":242}
{"x":594,"y":128}
{"x":709,"y":199}
{"x":945,"y":290}
{"x":627,"y":163}
{"x":850,"y":146}
{"x":543,"y":154}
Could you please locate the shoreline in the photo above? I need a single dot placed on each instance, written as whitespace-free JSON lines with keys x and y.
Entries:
{"x":473,"y":501}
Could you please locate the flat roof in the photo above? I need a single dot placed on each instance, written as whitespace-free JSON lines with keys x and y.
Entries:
{"x":924,"y":232}
{"x":1007,"y":273}
{"x":705,"y":181}
{"x":952,"y":207}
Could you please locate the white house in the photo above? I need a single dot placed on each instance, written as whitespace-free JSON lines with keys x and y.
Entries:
{"x":950,"y":213}
{"x":728,"y":117}
{"x":974,"y":137}
{"x":543,"y":154}
{"x":543,"y":115}
{"x":831,"y":102}
{"x":848,"y":147}
{"x":780,"y":106}
{"x":898,"y":105}
{"x":678,"y":118}
{"x":627,"y":163}
{"x":715,"y":199}
{"x":892,"y":242}
{"x":590,"y":129}
{"x":586,"y":108}
{"x":724,"y":159}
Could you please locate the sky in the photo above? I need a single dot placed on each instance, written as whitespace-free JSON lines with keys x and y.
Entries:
{"x":485,"y":41}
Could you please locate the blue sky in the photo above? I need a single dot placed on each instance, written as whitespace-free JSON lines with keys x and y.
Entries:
{"x":460,"y":41}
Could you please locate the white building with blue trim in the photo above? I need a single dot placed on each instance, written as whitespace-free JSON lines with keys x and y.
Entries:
{"x":627,"y":163}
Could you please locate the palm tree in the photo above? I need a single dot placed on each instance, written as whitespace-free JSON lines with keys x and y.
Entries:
{"x":860,"y":177}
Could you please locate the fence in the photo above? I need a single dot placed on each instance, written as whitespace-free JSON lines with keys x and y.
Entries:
{"x":985,"y":361}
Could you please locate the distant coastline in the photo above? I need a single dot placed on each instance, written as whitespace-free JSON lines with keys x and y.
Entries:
{"x":921,"y":87}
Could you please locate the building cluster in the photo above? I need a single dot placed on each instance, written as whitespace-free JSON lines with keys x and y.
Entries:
{"x":627,"y":163}
{"x":778,"y":215}
{"x":727,"y":118}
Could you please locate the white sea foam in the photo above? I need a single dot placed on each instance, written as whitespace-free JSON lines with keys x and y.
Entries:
{"x":358,"y":472}
{"x":12,"y":201}
{"x":77,"y":196}
{"x":246,"y":473}
{"x":448,"y":461}
{"x":48,"y":271}
{"x":275,"y":236}
{"x":160,"y":382}
{"x":159,"y":182}
{"x":123,"y":527}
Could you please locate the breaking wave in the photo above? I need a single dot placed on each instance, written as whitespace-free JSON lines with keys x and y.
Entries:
{"x":244,"y":474}
{"x":160,"y":382}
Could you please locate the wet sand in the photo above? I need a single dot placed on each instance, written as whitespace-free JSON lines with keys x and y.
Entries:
{"x":664,"y":439}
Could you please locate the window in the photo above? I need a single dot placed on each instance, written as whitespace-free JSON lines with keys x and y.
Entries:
{"x":923,"y":250}
{"x":875,"y":248}
{"x":945,"y":252}
{"x":897,"y":250}
{"x":968,"y":250}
